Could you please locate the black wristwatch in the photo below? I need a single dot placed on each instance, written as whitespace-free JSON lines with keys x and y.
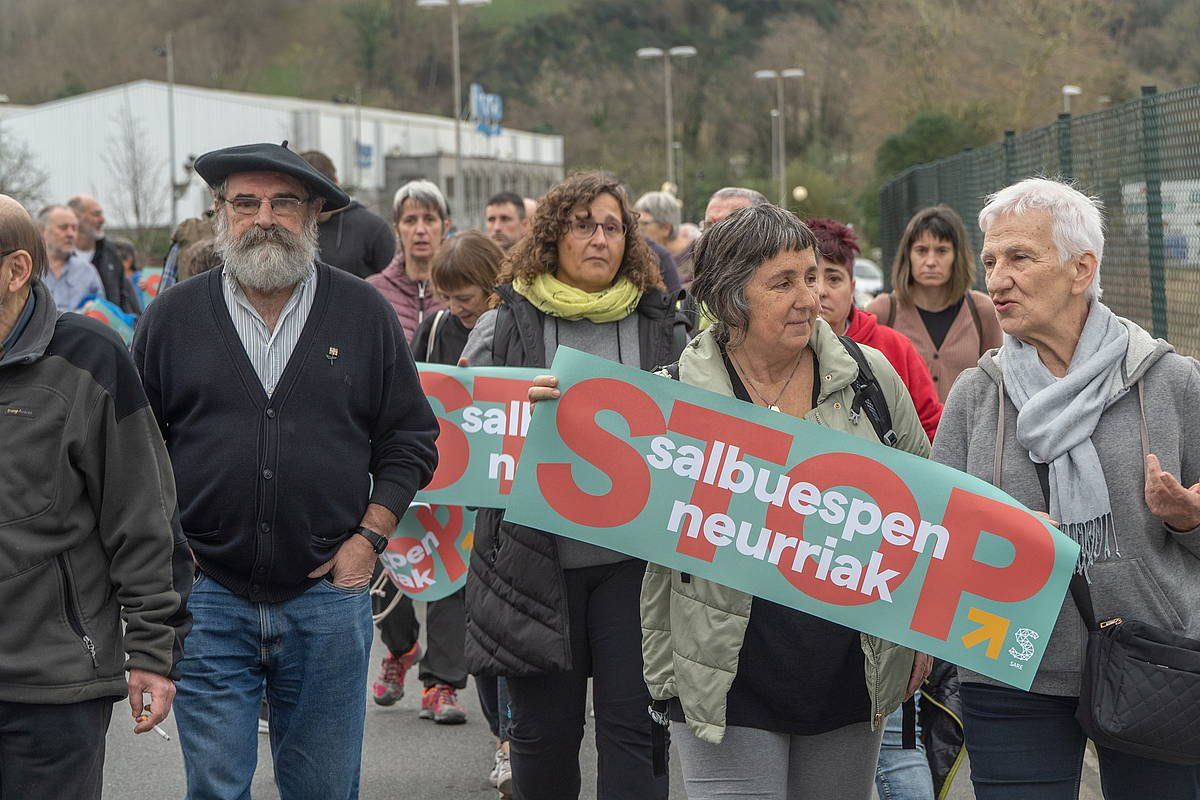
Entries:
{"x":378,"y":543}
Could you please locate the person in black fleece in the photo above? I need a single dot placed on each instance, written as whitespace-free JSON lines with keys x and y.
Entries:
{"x":352,"y":238}
{"x":298,"y":431}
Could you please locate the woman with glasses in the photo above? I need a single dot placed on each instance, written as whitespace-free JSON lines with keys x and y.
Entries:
{"x":550,"y":612}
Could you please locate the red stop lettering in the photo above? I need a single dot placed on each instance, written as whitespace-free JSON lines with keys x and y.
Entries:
{"x":882,"y":485}
{"x":967,"y":516}
{"x":708,"y":426}
{"x":505,"y":391}
{"x":453,"y":451}
{"x":624,"y":466}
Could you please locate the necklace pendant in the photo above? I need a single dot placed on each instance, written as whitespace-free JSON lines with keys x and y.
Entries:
{"x":772,"y":408}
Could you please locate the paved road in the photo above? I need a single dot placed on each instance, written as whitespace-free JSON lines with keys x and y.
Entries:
{"x":404,"y":757}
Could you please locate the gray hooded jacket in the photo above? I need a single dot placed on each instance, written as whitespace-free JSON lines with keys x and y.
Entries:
{"x":1156,"y":576}
{"x":89,"y":537}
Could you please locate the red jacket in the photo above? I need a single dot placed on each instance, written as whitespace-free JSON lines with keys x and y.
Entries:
{"x":412,"y":300}
{"x":865,"y":329}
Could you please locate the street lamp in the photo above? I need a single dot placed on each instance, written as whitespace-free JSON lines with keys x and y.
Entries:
{"x":454,"y":6}
{"x":1069,"y":91}
{"x":781,"y":155}
{"x":168,"y":53}
{"x":682,"y":51}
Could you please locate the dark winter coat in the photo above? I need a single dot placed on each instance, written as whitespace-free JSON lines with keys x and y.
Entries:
{"x":516,"y":596}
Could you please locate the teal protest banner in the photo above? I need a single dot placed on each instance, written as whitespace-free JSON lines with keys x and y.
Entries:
{"x":428,"y":553}
{"x":840,"y":527}
{"x":483,"y":413}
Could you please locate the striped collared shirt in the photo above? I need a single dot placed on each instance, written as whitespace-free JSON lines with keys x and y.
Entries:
{"x":269,"y":350}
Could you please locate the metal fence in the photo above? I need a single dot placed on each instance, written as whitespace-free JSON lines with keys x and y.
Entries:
{"x":1142,"y":158}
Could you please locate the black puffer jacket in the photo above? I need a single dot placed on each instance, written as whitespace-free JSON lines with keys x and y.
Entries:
{"x":941,"y":725}
{"x":516,"y":600}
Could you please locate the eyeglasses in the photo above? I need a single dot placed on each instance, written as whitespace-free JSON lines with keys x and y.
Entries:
{"x":8,"y":253}
{"x":280,"y":206}
{"x":586,"y":229}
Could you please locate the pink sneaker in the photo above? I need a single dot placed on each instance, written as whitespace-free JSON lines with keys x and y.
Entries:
{"x":389,"y":686}
{"x":440,"y":704}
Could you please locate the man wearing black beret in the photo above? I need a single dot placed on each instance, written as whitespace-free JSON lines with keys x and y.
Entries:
{"x":298,"y":433}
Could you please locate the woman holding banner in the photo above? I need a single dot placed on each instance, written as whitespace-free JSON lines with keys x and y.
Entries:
{"x":1054,"y":419}
{"x":763,"y":700}
{"x":550,"y":612}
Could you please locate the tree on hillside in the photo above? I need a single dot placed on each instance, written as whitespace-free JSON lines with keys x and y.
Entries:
{"x":20,"y":176}
{"x":137,"y":173}
{"x":927,"y":138}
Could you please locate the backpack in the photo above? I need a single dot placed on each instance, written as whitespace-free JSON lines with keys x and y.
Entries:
{"x":975,"y":320}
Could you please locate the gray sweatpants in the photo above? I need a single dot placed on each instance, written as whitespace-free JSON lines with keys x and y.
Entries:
{"x":759,"y":765}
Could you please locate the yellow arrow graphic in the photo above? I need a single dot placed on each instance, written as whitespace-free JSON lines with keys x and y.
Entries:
{"x":992,"y":629}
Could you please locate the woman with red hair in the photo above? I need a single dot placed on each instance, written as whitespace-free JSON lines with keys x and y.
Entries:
{"x":834,"y":285}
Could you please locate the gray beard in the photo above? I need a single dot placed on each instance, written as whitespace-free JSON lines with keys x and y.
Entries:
{"x":267,"y":260}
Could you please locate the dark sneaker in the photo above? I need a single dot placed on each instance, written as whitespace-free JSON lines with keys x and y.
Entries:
{"x":389,"y":686}
{"x":440,"y":704}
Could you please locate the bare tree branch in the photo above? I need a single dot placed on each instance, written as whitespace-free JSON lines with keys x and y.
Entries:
{"x":20,"y":177}
{"x":136,"y":171}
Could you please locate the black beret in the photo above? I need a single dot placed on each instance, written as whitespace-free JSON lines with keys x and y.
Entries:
{"x":217,"y":165}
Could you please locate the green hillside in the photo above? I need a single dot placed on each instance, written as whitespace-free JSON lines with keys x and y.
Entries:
{"x":887,"y":81}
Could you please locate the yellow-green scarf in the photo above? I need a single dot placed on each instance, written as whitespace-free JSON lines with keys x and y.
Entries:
{"x":551,"y":296}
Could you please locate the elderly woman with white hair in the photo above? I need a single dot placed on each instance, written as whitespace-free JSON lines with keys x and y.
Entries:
{"x":660,"y":215}
{"x":421,"y":220}
{"x":1054,"y":418}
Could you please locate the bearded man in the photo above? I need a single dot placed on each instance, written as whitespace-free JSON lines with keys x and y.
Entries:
{"x":298,"y":433}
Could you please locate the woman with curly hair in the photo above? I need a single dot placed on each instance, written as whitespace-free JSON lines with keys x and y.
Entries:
{"x":550,"y":612}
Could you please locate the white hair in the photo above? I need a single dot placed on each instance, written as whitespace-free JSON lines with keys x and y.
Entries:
{"x":663,"y":207}
{"x":1076,"y":220}
{"x":423,"y":193}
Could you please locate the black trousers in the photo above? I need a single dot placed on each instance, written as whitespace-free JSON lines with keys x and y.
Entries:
{"x":446,"y":634}
{"x":53,"y":751}
{"x":549,"y":711}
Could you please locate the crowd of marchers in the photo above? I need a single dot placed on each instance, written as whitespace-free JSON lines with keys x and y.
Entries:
{"x":193,"y":522}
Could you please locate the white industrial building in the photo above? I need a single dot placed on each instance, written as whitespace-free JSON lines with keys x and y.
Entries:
{"x":77,"y":140}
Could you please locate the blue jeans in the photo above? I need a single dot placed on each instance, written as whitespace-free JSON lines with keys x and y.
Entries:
{"x":493,"y":699}
{"x":311,"y":654}
{"x":902,"y":774}
{"x":1026,"y":746}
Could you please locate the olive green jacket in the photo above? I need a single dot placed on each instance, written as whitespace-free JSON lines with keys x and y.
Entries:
{"x":692,"y":632}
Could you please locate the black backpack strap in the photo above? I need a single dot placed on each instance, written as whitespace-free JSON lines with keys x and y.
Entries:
{"x":868,"y":396}
{"x":891,"y":315}
{"x":908,"y":724}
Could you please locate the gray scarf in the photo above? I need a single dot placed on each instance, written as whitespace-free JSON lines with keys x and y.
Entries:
{"x":1055,"y":421}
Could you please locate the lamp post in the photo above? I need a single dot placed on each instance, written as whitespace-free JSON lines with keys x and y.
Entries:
{"x":1069,"y":91}
{"x":168,"y":53}
{"x":454,"y":6}
{"x":681,"y":51}
{"x":781,"y":155}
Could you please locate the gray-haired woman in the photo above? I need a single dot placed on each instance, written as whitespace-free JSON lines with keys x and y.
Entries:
{"x":1069,"y":395}
{"x":766,"y":701}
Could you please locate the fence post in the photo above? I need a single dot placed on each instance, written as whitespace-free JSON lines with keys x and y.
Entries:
{"x":1010,"y":169}
{"x":1152,"y":167}
{"x":1065,"y":169}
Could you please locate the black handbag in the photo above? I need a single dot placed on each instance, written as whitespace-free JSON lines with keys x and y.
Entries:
{"x":1140,"y":687}
{"x":1140,"y":684}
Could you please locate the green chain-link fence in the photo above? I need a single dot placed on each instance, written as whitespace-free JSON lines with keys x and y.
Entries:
{"x":1141,"y":158}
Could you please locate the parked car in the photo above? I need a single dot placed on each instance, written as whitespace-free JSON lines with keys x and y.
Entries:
{"x":868,"y":280}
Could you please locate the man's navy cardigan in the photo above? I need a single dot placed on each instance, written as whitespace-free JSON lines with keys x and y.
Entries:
{"x":269,"y":487}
